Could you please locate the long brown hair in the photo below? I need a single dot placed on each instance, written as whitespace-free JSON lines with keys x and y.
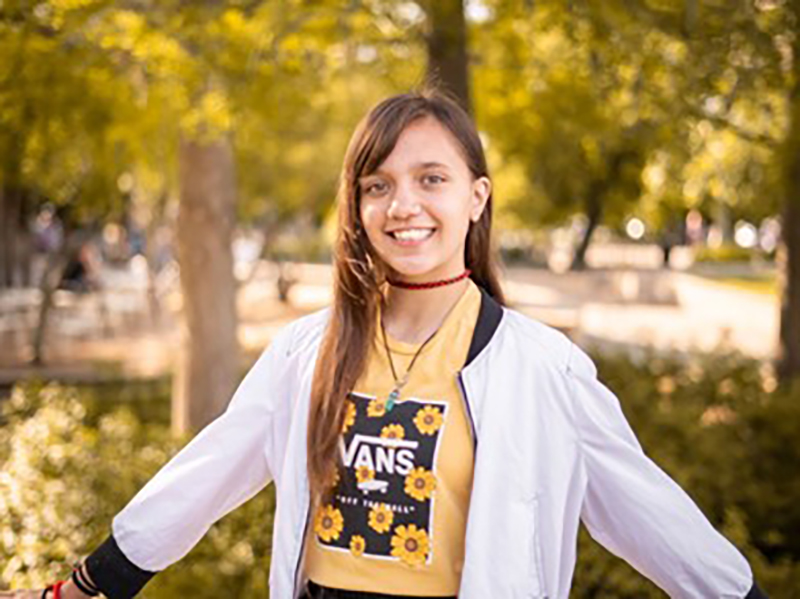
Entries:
{"x":359,"y":272}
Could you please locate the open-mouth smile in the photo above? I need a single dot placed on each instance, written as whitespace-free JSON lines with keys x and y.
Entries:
{"x":411,"y":236}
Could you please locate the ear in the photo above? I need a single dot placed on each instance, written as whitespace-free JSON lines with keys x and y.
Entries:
{"x":481,"y":190}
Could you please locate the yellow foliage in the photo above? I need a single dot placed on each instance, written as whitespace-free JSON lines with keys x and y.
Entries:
{"x":210,"y":117}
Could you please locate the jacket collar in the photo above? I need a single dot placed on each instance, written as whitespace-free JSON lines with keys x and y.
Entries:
{"x":489,"y":317}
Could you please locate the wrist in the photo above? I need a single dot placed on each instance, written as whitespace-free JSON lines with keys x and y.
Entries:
{"x":78,"y":586}
{"x":71,"y":591}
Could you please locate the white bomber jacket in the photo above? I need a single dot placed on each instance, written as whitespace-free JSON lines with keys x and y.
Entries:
{"x":552,"y":447}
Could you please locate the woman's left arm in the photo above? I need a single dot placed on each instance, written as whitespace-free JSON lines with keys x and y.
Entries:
{"x":635,"y":510}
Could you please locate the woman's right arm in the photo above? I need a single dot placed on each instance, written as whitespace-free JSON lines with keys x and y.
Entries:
{"x":222,"y":467}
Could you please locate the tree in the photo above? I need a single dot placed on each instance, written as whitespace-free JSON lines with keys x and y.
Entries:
{"x":706,"y":92}
{"x":56,"y":138}
{"x":447,"y":48}
{"x":255,"y":99}
{"x":574,"y":105}
{"x":745,"y":85}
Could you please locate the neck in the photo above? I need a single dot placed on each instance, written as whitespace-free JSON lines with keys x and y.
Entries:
{"x":412,"y":315}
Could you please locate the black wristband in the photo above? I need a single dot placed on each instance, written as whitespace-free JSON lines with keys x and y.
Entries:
{"x":82,"y":574}
{"x":113,"y":573}
{"x":82,"y":583}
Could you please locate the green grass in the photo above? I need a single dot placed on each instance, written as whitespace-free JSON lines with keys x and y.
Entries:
{"x":762,"y":285}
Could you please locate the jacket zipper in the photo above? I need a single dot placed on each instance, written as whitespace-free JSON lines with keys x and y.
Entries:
{"x":300,"y":553}
{"x":468,"y":408}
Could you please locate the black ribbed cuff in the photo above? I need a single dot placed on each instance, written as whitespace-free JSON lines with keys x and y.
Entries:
{"x":756,"y":592}
{"x":114,"y":574}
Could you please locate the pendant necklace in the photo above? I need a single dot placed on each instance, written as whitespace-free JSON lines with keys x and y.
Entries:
{"x":399,"y":383}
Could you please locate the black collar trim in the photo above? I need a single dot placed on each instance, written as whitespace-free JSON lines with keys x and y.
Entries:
{"x":489,"y":317}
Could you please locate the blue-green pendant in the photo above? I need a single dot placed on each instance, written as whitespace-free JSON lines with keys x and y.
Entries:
{"x":392,"y":399}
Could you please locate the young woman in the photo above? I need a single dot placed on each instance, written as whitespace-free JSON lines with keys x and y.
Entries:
{"x":424,"y":439}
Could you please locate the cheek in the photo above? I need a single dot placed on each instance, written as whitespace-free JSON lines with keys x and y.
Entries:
{"x":372,"y":221}
{"x":457,"y":221}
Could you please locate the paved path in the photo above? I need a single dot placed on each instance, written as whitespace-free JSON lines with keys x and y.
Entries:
{"x":708,"y":316}
{"x":678,"y":310}
{"x":616,"y":307}
{"x":666,"y":309}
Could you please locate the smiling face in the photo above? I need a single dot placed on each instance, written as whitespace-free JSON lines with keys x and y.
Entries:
{"x":416,"y":207}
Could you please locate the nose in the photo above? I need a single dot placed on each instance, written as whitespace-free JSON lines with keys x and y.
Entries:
{"x":403,"y":205}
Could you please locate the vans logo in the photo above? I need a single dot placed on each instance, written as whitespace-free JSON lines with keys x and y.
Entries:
{"x":381,"y":455}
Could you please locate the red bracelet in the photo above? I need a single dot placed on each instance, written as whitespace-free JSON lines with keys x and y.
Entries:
{"x":56,"y":588}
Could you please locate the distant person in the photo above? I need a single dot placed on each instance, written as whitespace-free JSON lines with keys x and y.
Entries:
{"x":82,"y":272}
{"x":48,"y":232}
{"x":424,"y":439}
{"x":671,"y":235}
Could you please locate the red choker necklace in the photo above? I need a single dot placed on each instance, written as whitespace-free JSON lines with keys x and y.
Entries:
{"x":432,"y":284}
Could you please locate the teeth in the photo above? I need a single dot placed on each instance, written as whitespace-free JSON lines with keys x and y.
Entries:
{"x":412,"y":234}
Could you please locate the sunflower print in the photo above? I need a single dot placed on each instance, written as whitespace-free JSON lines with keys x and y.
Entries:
{"x":410,"y":544}
{"x":357,"y":545}
{"x":380,"y":518}
{"x":376,"y":408}
{"x":420,"y":484}
{"x":393,"y":431}
{"x":428,"y":420}
{"x":364,"y":473}
{"x":329,"y":523}
{"x":349,"y":415}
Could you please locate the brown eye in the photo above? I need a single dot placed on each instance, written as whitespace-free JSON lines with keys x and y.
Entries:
{"x":433,"y":179}
{"x":374,"y":188}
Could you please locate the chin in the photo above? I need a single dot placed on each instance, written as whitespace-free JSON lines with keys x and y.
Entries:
{"x":411,"y":272}
{"x":409,"y":269}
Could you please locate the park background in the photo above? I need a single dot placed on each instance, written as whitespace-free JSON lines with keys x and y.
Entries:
{"x":167,"y":176}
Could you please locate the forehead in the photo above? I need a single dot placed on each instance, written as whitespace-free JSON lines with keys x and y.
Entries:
{"x":422,"y":143}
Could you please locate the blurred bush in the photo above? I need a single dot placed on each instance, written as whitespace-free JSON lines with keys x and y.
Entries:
{"x":68,"y":466}
{"x":718,"y":424}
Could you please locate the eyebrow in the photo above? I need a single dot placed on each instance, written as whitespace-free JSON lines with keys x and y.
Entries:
{"x":416,"y":166}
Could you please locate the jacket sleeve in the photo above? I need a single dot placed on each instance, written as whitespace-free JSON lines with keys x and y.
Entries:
{"x":222,"y":467}
{"x":636,"y":511}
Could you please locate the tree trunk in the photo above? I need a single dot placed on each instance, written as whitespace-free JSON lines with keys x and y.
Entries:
{"x":448,"y":62}
{"x":722,"y":218}
{"x":789,"y":336}
{"x":52,"y":276}
{"x":789,"y":349}
{"x":12,"y":207}
{"x":3,"y":238}
{"x":54,"y":270}
{"x":594,"y":214}
{"x":24,"y":241}
{"x":12,"y":154}
{"x":595,"y":196}
{"x":25,"y":255}
{"x":789,"y":354}
{"x":207,"y":371}
{"x":152,"y":248}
